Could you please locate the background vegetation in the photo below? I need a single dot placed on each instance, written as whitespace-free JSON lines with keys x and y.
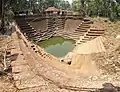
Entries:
{"x":104,"y":8}
{"x":18,"y":5}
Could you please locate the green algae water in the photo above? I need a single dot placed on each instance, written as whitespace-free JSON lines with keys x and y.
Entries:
{"x":57,"y":46}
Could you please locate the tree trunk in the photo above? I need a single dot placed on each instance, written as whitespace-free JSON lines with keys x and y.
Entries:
{"x":2,"y":20}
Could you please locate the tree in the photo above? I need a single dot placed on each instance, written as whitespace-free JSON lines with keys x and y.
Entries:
{"x":105,"y":8}
{"x":118,"y":10}
{"x":75,"y":5}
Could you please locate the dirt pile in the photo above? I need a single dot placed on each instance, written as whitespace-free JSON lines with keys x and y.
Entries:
{"x":109,"y":61}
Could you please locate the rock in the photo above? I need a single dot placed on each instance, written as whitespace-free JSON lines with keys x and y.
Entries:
{"x":118,"y":36}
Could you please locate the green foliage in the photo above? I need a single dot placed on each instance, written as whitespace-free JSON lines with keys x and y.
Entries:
{"x":118,"y":10}
{"x":75,"y":5}
{"x":19,"y":5}
{"x":104,"y":8}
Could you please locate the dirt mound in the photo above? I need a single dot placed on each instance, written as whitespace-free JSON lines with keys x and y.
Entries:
{"x":108,"y":61}
{"x":85,"y":65}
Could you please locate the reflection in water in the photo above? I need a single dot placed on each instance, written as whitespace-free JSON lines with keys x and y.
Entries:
{"x":57,"y":46}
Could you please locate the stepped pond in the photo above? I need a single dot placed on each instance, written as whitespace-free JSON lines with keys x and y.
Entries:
{"x":57,"y":46}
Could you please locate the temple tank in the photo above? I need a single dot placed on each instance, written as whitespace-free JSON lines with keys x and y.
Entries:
{"x":57,"y":46}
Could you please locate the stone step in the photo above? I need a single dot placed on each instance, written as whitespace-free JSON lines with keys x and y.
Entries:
{"x":37,"y":32}
{"x":50,"y":33}
{"x":50,"y":22}
{"x":45,"y":37}
{"x":60,"y":22}
{"x":27,"y":30}
{"x":86,"y":36}
{"x":36,"y":36}
{"x":86,"y":19}
{"x":73,"y":36}
{"x":93,"y":29}
{"x":43,"y":31}
{"x":31,"y":31}
{"x":61,"y":27}
{"x":84,"y":26}
{"x":90,"y":34}
{"x":83,"y":41}
{"x":96,"y":32}
{"x":50,"y":26}
{"x":88,"y":22}
{"x":81,"y":30}
{"x":27,"y":27}
{"x":87,"y":39}
{"x":76,"y":33}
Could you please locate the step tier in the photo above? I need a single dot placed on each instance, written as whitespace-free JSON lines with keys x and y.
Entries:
{"x":27,"y":30}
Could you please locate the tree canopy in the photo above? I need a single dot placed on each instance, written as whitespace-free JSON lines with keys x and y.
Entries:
{"x":105,"y":8}
{"x":18,"y":5}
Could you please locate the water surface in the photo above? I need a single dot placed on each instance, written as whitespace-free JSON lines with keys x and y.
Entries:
{"x":57,"y":46}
